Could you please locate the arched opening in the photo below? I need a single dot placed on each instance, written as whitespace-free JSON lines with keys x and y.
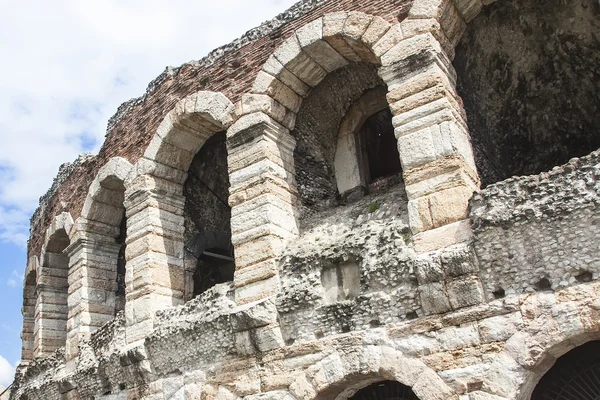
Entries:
{"x":51,"y":311}
{"x":528,"y":73}
{"x":121,"y":266}
{"x":367,"y":158}
{"x":346,"y":146}
{"x":380,"y":147}
{"x":207,"y":216}
{"x":386,"y":390}
{"x":29,"y":304}
{"x":574,"y":376}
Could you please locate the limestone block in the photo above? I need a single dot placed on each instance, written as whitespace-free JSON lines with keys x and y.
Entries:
{"x":417,"y":149}
{"x":433,"y":298}
{"x":256,"y":125}
{"x":428,"y":269}
{"x":450,"y":205}
{"x":215,"y":108}
{"x":188,"y":138}
{"x":326,"y":372}
{"x":165,"y":153}
{"x":391,"y":38}
{"x":258,"y":169}
{"x":268,"y":338}
{"x":356,"y":25}
{"x":333,"y":27}
{"x":274,"y":67}
{"x":459,"y":260}
{"x":333,"y":23}
{"x":427,"y":9}
{"x":452,"y":23}
{"x":468,"y":8}
{"x":268,"y":84}
{"x":149,"y":167}
{"x":419,"y":215}
{"x":375,"y":31}
{"x":500,"y":328}
{"x":448,"y":235}
{"x":255,"y":273}
{"x":430,"y":386}
{"x":254,"y":315}
{"x":465,"y":292}
{"x":257,"y":290}
{"x":291,"y":56}
{"x":302,"y":389}
{"x":421,"y":118}
{"x":310,"y":37}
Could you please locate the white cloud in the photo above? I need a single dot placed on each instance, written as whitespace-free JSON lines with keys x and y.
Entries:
{"x":69,"y":64}
{"x":7,"y":372}
{"x":15,"y":278}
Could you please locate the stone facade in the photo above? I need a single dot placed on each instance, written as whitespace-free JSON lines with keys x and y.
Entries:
{"x":235,"y":237}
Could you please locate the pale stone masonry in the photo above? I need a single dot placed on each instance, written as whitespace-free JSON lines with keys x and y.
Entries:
{"x":361,"y":254}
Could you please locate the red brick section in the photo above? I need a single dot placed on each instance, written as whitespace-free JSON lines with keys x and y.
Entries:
{"x":232,"y":74}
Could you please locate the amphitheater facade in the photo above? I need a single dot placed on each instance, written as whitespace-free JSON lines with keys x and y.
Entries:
{"x":374,"y":199}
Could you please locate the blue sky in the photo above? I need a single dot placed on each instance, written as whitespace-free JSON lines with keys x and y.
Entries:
{"x":67,"y":66}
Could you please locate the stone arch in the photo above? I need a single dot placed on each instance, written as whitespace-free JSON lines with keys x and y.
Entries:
{"x":413,"y":61}
{"x":351,"y":162}
{"x":554,"y":325}
{"x":182,"y":133}
{"x":51,"y":310}
{"x":96,"y":255}
{"x":28,"y":310}
{"x":156,"y":276}
{"x":341,"y":374}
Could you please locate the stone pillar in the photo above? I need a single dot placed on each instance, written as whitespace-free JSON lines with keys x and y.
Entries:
{"x":433,"y":140}
{"x":51,"y":309}
{"x":263,"y":202}
{"x":27,"y":335}
{"x":155,"y":271}
{"x":93,"y":257}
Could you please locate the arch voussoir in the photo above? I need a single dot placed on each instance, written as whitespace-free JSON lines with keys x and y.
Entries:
{"x":344,"y":372}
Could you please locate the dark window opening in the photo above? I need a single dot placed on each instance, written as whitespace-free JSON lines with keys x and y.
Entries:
{"x":215,"y":264}
{"x":381,"y":160}
{"x":120,"y":293}
{"x":207,"y":216}
{"x":574,"y":376}
{"x":386,"y":390}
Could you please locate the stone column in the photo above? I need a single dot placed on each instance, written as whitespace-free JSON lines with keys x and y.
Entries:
{"x":433,"y":140}
{"x":51,"y":310}
{"x":93,"y":257}
{"x":155,"y":271}
{"x":27,"y":335}
{"x":263,"y":202}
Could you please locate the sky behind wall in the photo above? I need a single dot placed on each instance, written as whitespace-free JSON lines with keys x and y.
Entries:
{"x":67,"y":66}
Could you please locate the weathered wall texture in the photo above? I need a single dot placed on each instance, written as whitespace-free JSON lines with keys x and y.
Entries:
{"x":529,"y":74}
{"x":451,"y":291}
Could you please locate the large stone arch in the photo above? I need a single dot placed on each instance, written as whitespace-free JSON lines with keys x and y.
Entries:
{"x":433,"y":141}
{"x":344,"y":372}
{"x":555,"y":323}
{"x":154,"y":202}
{"x":94,"y":254}
{"x":51,"y":310}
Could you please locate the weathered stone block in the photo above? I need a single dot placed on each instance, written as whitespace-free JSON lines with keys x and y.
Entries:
{"x":433,"y":298}
{"x":465,"y":292}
